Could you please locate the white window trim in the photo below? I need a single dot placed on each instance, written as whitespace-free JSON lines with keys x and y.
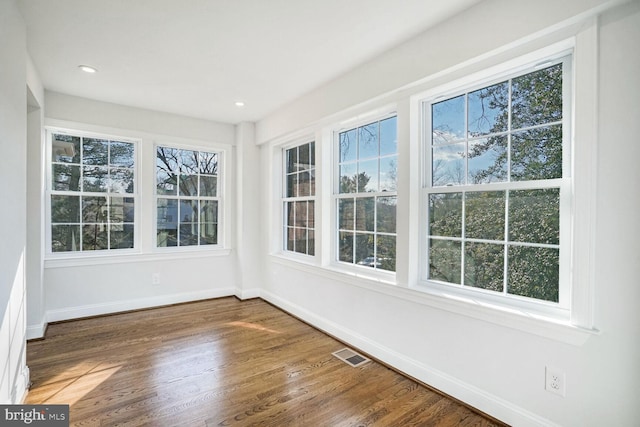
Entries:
{"x":65,"y":257}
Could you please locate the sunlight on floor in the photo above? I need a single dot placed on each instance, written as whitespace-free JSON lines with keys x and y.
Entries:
{"x":253,"y":326}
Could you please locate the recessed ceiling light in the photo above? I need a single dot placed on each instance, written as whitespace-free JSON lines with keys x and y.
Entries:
{"x":239,"y":104}
{"x":87,"y":68}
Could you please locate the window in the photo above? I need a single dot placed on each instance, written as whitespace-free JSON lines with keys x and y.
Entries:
{"x":92,"y":196}
{"x":187,"y":197}
{"x":299,"y":198}
{"x":365,"y":195}
{"x":498,"y":186}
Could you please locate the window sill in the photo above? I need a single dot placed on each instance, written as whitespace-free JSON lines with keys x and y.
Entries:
{"x":513,"y":318}
{"x":104,"y":259}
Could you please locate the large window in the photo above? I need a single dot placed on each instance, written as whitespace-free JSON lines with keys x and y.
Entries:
{"x":91,"y":193}
{"x":497,"y":191}
{"x":187,"y":197}
{"x":299,"y":198}
{"x":365,"y":195}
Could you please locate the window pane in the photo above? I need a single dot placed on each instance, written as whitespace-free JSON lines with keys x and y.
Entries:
{"x":95,"y":237}
{"x":304,"y":184}
{"x":292,"y":159}
{"x":388,"y":173}
{"x":300,"y":216}
{"x":188,"y":233}
{"x":489,"y":110}
{"x":188,"y":185}
{"x":121,"y":181}
{"x":388,"y":136}
{"x":66,"y":178}
{"x":209,"y":211}
{"x":121,"y":236}
{"x":188,"y":210}
{"x":365,"y":213}
{"x":368,"y":141}
{"x":167,"y":227}
{"x":484,"y":266}
{"x":208,"y":163}
{"x":95,"y":152}
{"x":448,"y":165}
{"x":445,"y":260}
{"x":122,"y":154}
{"x":65,"y":238}
{"x":291,"y":239}
{"x":94,"y":179}
{"x":300,"y":244}
{"x":445,"y":214}
{"x":166,"y":183}
{"x":346,"y":214}
{"x":292,"y":185}
{"x":208,"y":186}
{"x":386,"y":252}
{"x":208,"y":233}
{"x":311,"y":241}
{"x":534,"y":272}
{"x":447,"y":120}
{"x":348,"y":148}
{"x":167,"y":159}
{"x":537,"y":97}
{"x":291,"y":213}
{"x":537,"y":154}
{"x":484,"y":215}
{"x":364,"y":250}
{"x":94,"y":209}
{"x":188,"y":162}
{"x":488,"y":160}
{"x":121,"y":209}
{"x":348,"y":178}
{"x":534,"y":216}
{"x":311,"y":214}
{"x":345,"y":244}
{"x":65,"y":149}
{"x":368,"y":176}
{"x":65,"y":209}
{"x":304,"y":161}
{"x":386,"y":214}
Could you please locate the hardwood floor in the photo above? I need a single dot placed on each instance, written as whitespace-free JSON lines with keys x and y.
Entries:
{"x":222,"y":362}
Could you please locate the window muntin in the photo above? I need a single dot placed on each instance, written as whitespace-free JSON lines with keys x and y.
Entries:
{"x":365,"y":195}
{"x":92,"y":193}
{"x":187,"y":197}
{"x":498,"y":157}
{"x":299,"y":198}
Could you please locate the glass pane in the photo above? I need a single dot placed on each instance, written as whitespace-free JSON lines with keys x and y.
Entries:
{"x":345,"y":244}
{"x":488,"y":160}
{"x":208,"y":186}
{"x":348,"y":178}
{"x":188,"y":211}
{"x":304,"y":161}
{"x":534,"y":216}
{"x":312,"y":153}
{"x":121,"y":236}
{"x":65,"y":149}
{"x":368,"y":141}
{"x":121,"y":181}
{"x":66,"y":178}
{"x":94,"y":209}
{"x":489,"y":110}
{"x":94,"y":179}
{"x":484,"y":266}
{"x":484,"y":215}
{"x":346,"y":214}
{"x":300,"y":216}
{"x":386,"y":214}
{"x":304,"y":184}
{"x":364,"y":250}
{"x":448,"y":165}
{"x":534,"y":272}
{"x":386,"y":250}
{"x":292,"y":185}
{"x":291,"y":239}
{"x":388,"y":136}
{"x":447,"y":120}
{"x":291,"y":213}
{"x":65,"y":209}
{"x":292,"y":159}
{"x":188,"y":185}
{"x":95,"y":152}
{"x":445,"y":215}
{"x":445,"y":260}
{"x":208,"y":211}
{"x":121,"y":209}
{"x":166,"y":183}
{"x":300,"y":244}
{"x":312,"y":182}
{"x":188,"y":162}
{"x":65,"y":238}
{"x":311,"y":214}
{"x":365,"y":212}
{"x":537,"y":154}
{"x":208,"y":233}
{"x":348,"y":148}
{"x":167,"y":159}
{"x":167,"y":238}
{"x":188,"y":234}
{"x":311,"y":241}
{"x":368,"y":176}
{"x":537,"y":97}
{"x":122,"y":154}
{"x":167,"y":227}
{"x":388,"y":173}
{"x":95,"y":237}
{"x":208,"y":163}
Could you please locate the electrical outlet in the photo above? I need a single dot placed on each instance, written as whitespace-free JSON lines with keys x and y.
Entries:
{"x":554,"y":381}
{"x":155,"y":279}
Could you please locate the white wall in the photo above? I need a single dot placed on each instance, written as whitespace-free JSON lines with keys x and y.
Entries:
{"x":495,"y":367}
{"x":13,"y":145}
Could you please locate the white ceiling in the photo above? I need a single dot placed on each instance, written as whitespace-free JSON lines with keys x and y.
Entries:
{"x":197,"y":57}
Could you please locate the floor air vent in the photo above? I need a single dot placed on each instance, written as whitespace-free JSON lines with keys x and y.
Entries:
{"x":350,"y":357}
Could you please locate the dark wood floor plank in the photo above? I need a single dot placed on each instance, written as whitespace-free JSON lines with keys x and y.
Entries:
{"x":222,"y":362}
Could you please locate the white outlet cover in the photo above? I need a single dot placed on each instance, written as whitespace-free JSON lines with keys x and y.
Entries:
{"x":555,"y":381}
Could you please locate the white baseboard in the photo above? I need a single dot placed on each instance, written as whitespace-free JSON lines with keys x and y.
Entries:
{"x":474,"y":396}
{"x":36,"y":331}
{"x":244,"y":294}
{"x":118,"y":306}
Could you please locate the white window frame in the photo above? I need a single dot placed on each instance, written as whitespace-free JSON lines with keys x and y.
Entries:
{"x":49,"y":191}
{"x":222,"y":154}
